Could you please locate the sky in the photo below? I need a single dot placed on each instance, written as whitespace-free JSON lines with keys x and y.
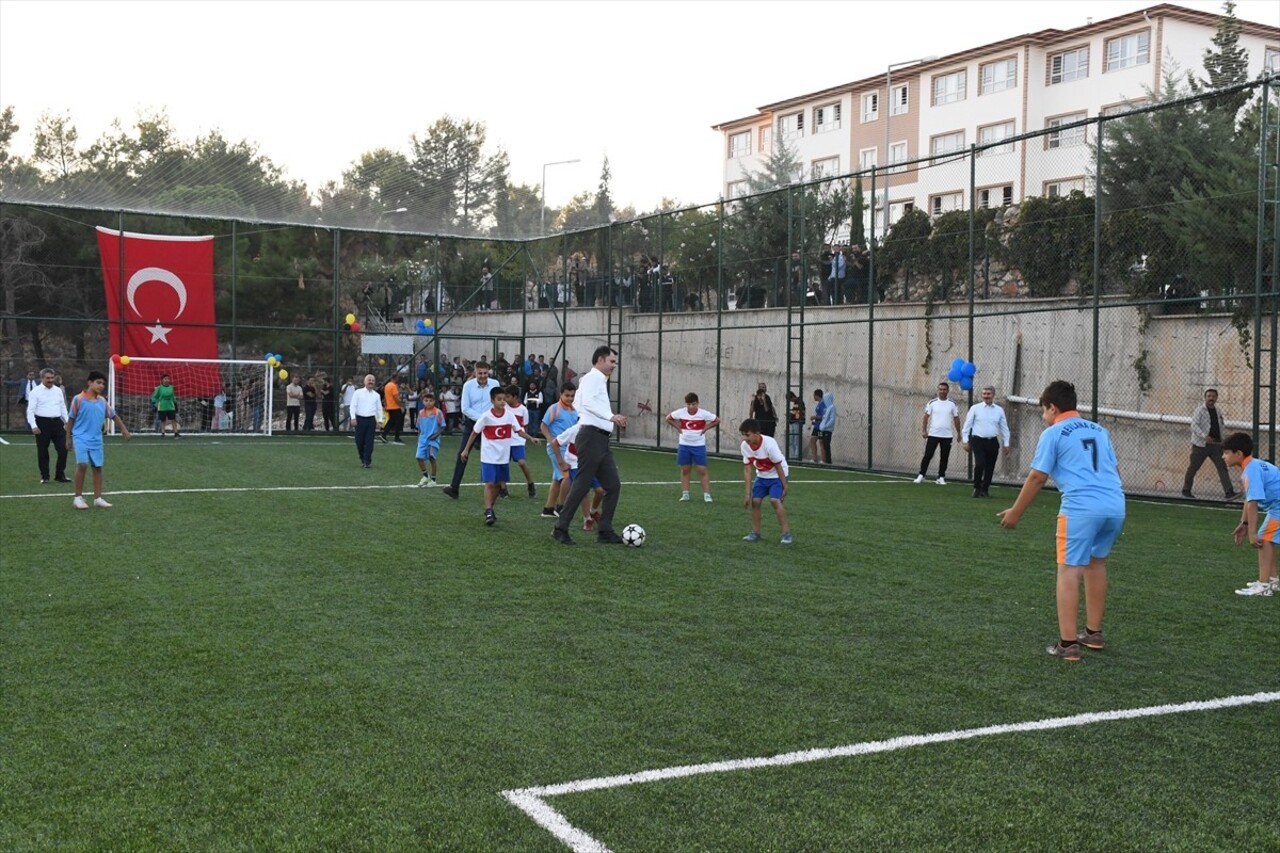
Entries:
{"x":316,"y":84}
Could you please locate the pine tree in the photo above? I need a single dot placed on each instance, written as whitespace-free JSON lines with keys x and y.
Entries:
{"x":1227,"y":64}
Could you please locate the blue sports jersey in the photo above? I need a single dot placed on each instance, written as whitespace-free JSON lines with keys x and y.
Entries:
{"x":1261,"y":482}
{"x":89,"y":415}
{"x":558,"y":418}
{"x":1079,"y":457}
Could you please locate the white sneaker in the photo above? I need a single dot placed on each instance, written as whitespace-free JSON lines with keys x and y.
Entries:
{"x":684,"y":497}
{"x":431,"y":484}
{"x":424,"y":481}
{"x":919,"y":479}
{"x":79,"y":503}
{"x":101,"y":503}
{"x":941,"y":481}
{"x":1255,"y":588}
{"x":706,"y":497}
{"x":1275,"y":584}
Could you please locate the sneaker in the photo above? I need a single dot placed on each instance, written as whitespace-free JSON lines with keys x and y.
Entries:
{"x":941,"y":481}
{"x":533,"y":490}
{"x":561,"y":536}
{"x":595,"y":515}
{"x":706,"y":497}
{"x":101,"y":503}
{"x":489,"y":517}
{"x":1068,"y":653}
{"x":44,"y":481}
{"x":399,"y":442}
{"x":919,"y":479}
{"x":752,"y":537}
{"x":450,"y":492}
{"x":424,"y":481}
{"x":503,"y":493}
{"x":788,"y":539}
{"x":431,"y":484}
{"x":79,"y":503}
{"x":588,"y":524}
{"x":177,"y":435}
{"x":548,"y":512}
{"x":683,"y":497}
{"x":1091,"y":640}
{"x":1275,"y":584}
{"x":1256,"y":588}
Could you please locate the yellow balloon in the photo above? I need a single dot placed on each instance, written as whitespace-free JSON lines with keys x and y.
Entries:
{"x":428,"y":322}
{"x":351,"y":318}
{"x":283,"y":374}
{"x":124,"y":359}
{"x":382,"y":361}
{"x":272,"y":361}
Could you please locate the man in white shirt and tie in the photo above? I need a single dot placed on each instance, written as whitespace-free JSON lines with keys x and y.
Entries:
{"x":46,"y":415}
{"x":595,"y":458}
{"x":986,"y":430}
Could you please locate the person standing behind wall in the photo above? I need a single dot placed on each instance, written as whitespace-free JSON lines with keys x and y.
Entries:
{"x":1206,"y":443}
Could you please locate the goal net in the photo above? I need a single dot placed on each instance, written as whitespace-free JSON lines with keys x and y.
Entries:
{"x":215,"y":396}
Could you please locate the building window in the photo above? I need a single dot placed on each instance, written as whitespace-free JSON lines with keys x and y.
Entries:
{"x":871,"y":106}
{"x":736,"y":189}
{"x":766,"y":138}
{"x":949,"y":88}
{"x":1068,"y":65}
{"x":898,"y":208}
{"x":940,"y":204}
{"x":998,"y":76}
{"x":899,"y":100}
{"x":1058,"y":189}
{"x":739,"y":144}
{"x":827,"y":118}
{"x":1067,"y":138}
{"x":996,"y":196}
{"x":897,"y":154}
{"x":946,"y":143}
{"x":1121,"y":109}
{"x":867,"y":159}
{"x":994,"y":133}
{"x":791,"y":126}
{"x":1271,"y":60}
{"x":828,"y":167}
{"x":1128,"y":51}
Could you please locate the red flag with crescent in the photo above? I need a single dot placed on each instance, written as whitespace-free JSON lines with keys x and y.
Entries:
{"x":160,"y":304}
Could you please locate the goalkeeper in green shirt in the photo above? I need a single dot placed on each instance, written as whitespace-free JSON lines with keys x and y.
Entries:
{"x":165,"y":401}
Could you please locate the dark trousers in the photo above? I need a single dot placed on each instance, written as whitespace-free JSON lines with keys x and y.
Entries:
{"x":595,"y":461}
{"x":395,"y":423}
{"x":1212,"y":452}
{"x":824,"y":442}
{"x":460,"y":464}
{"x":931,"y":444}
{"x":366,"y":426}
{"x":51,"y":431}
{"x":291,"y":417}
{"x":329,"y":417}
{"x":985,"y":453}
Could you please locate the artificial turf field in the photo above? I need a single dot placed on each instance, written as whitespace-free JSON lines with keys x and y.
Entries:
{"x":263,"y":646}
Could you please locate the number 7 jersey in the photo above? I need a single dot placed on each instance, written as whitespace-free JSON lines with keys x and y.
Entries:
{"x":1079,"y":457}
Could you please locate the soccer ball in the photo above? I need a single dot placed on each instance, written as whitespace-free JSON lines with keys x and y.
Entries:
{"x":633,"y":535}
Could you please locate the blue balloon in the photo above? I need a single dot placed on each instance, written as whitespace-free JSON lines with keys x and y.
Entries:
{"x":421,"y":326}
{"x":429,"y":330}
{"x":957,"y":363}
{"x":954,"y":375}
{"x":966,"y":383}
{"x":266,"y":357}
{"x":969,"y":369}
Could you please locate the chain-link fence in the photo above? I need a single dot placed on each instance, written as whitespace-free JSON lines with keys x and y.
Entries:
{"x":1132,"y":253}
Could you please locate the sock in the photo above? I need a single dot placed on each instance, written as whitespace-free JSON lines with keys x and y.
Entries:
{"x":1065,"y":643}
{"x":1089,"y":630}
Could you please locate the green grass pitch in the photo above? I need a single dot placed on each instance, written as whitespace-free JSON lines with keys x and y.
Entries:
{"x":263,"y":646}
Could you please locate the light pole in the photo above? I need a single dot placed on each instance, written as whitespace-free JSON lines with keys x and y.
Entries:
{"x":542,"y":195}
{"x":888,"y":115}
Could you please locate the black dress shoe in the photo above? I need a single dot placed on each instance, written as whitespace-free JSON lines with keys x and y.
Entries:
{"x":450,"y":492}
{"x":561,"y":536}
{"x":608,"y":537}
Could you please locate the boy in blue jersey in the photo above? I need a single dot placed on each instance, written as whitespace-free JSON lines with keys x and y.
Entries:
{"x":558,"y":417}
{"x":1078,"y":455}
{"x":1261,"y":482}
{"x":86,"y":419}
{"x":430,"y":426}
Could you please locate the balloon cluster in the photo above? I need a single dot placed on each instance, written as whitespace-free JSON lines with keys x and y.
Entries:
{"x":349,"y":324}
{"x":425,"y":327}
{"x":962,"y":371}
{"x":120,"y":361}
{"x":275,"y":359}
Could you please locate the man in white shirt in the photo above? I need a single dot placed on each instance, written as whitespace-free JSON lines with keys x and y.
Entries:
{"x":938,"y":427}
{"x":366,"y":411}
{"x":595,"y":458}
{"x":986,"y":430}
{"x":46,"y":415}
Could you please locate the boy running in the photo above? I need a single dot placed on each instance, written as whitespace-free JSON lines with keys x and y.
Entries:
{"x":693,"y":422}
{"x":497,"y":426}
{"x":1261,"y":482}
{"x":1079,"y":456}
{"x":761,"y":453}
{"x":521,"y":413}
{"x":558,"y":417}
{"x":86,"y":418}
{"x":430,"y":426}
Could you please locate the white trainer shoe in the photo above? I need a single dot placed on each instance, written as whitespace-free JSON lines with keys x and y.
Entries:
{"x":424,"y":481}
{"x":941,"y":481}
{"x":1255,"y":588}
{"x":706,"y":497}
{"x":79,"y":503}
{"x":101,"y":503}
{"x":684,"y":497}
{"x":919,"y":479}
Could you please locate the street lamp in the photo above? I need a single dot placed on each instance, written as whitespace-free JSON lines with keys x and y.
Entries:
{"x":542,"y":196}
{"x":888,"y":114}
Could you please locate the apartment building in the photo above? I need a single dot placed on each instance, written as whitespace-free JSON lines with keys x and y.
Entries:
{"x":940,"y":106}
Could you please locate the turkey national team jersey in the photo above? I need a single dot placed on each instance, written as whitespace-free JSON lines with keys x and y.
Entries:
{"x":521,"y":413}
{"x":692,"y":426}
{"x":767,"y":458}
{"x":1261,"y":482}
{"x":1079,"y":457}
{"x":568,"y":447}
{"x":497,"y":430}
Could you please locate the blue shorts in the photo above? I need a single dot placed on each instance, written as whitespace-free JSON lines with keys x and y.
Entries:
{"x":428,"y":448}
{"x":491,"y":473}
{"x":517,"y":453}
{"x":1085,"y":538}
{"x":689,"y":455}
{"x":89,"y":454}
{"x":595,"y":481}
{"x":770,"y":487}
{"x":556,"y":475}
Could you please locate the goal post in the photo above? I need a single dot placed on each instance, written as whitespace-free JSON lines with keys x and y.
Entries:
{"x":223,"y":396}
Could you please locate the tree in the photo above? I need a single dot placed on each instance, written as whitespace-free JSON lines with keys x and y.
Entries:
{"x":1227,"y":64}
{"x":55,"y":147}
{"x":456,"y":178}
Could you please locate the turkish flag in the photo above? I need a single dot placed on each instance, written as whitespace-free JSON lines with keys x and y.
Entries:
{"x":160,"y":305}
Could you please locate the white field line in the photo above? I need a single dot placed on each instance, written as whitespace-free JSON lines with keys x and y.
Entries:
{"x":532,"y":801}
{"x":3,"y":441}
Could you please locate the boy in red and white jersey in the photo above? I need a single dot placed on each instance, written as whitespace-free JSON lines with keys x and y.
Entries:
{"x":497,"y":425}
{"x":762,"y":454}
{"x":564,"y":455}
{"x":518,"y":410}
{"x":693,"y":422}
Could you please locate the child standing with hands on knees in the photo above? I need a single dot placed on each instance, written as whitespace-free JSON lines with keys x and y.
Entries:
{"x":762,"y":454}
{"x":1261,"y":482}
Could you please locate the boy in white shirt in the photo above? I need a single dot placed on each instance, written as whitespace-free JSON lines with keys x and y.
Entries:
{"x":761,"y":453}
{"x":497,"y":425}
{"x":694,"y":422}
{"x":521,"y":413}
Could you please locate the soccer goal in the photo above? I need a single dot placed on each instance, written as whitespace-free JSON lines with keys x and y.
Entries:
{"x":215,"y":396}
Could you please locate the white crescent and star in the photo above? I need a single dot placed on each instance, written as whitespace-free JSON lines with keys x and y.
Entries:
{"x":164,"y":276}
